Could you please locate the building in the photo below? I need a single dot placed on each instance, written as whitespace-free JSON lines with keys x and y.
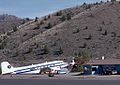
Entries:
{"x":102,"y":67}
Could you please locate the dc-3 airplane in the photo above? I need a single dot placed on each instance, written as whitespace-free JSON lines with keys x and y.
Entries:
{"x":35,"y":68}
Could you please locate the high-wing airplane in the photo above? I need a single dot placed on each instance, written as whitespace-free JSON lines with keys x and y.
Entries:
{"x":34,"y":68}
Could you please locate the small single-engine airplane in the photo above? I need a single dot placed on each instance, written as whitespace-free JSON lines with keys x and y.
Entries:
{"x":56,"y":66}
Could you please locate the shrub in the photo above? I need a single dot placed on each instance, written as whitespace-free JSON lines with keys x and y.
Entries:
{"x":37,"y":26}
{"x":99,"y":28}
{"x":88,"y":6}
{"x":113,"y":0}
{"x":41,"y":22}
{"x":14,"y":54}
{"x":49,"y":16}
{"x":82,"y":57}
{"x":101,"y":2}
{"x":113,"y":34}
{"x":85,"y":28}
{"x":104,"y":32}
{"x":68,"y":17}
{"x":2,"y":44}
{"x":26,"y":50}
{"x":49,"y":26}
{"x":45,"y":18}
{"x":58,"y":52}
{"x":82,"y":45}
{"x":36,"y":19}
{"x":107,"y":0}
{"x":84,"y":3}
{"x":59,"y":13}
{"x":63,"y":18}
{"x":14,"y":28}
{"x":23,"y":21}
{"x":103,"y":22}
{"x":88,"y":37}
{"x":76,"y":31}
{"x":27,"y":19}
{"x":91,"y":15}
{"x":45,"y":48}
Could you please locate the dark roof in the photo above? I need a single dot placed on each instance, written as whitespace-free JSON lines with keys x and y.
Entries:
{"x":103,"y":62}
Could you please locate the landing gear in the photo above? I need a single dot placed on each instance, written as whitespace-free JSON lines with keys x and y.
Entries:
{"x":50,"y":74}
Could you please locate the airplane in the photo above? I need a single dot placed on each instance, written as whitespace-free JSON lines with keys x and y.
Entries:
{"x":55,"y":66}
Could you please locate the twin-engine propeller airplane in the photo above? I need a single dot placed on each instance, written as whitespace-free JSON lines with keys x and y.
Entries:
{"x":56,"y":66}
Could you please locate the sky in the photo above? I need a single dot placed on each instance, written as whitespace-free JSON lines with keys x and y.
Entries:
{"x":37,"y":8}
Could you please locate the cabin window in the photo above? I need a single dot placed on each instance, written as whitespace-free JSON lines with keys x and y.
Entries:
{"x":48,"y":65}
{"x":52,"y":65}
{"x":41,"y":67}
{"x":45,"y":66}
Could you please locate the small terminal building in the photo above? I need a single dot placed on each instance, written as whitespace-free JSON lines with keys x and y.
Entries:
{"x":102,"y":67}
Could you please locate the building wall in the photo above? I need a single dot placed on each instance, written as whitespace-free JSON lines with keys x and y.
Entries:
{"x":101,"y":69}
{"x":118,"y":69}
{"x":87,"y":69}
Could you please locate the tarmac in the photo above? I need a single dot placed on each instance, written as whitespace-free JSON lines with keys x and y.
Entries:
{"x":70,"y":76}
{"x":57,"y":82}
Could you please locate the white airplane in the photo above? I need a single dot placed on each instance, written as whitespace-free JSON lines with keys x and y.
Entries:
{"x":34,"y":68}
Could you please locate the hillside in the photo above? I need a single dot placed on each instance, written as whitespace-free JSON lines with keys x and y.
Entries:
{"x":7,"y":22}
{"x":90,"y":28}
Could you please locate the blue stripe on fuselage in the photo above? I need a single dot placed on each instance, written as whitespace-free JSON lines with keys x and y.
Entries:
{"x":24,"y":72}
{"x":25,"y":69}
{"x":35,"y":67}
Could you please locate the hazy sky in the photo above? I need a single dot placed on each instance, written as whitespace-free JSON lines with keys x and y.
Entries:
{"x":33,"y":8}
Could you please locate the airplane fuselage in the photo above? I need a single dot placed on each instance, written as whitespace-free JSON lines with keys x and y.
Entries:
{"x":34,"y":68}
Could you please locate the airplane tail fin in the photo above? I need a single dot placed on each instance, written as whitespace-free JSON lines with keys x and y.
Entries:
{"x":6,"y":68}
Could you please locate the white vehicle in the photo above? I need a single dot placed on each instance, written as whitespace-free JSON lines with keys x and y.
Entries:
{"x":34,"y":68}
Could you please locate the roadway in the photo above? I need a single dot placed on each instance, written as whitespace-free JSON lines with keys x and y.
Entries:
{"x":57,"y":82}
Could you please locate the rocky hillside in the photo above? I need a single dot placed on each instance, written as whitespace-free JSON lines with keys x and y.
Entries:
{"x":7,"y":22}
{"x":90,"y":28}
